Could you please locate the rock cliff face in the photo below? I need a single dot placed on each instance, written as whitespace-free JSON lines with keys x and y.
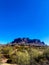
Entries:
{"x":27,"y":41}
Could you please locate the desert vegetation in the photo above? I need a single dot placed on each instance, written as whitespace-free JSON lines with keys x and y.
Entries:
{"x":25,"y":55}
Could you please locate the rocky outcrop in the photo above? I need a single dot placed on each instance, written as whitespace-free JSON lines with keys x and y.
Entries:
{"x":27,"y":41}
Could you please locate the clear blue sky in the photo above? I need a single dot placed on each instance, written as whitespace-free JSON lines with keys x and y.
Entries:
{"x":24,"y":18}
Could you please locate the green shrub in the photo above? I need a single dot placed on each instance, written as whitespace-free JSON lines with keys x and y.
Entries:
{"x":21,"y":58}
{"x":46,"y":53}
{"x":35,"y":56}
{"x":7,"y":51}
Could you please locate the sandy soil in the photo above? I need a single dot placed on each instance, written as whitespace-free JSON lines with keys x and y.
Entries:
{"x":7,"y":64}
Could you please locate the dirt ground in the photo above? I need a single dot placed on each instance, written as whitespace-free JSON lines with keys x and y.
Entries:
{"x":7,"y":64}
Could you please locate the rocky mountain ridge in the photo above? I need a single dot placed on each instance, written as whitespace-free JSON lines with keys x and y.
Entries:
{"x":27,"y":41}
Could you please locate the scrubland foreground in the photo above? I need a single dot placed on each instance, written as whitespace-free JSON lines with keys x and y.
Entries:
{"x":24,"y":55}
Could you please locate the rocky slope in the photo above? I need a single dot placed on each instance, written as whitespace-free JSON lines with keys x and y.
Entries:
{"x":27,"y":41}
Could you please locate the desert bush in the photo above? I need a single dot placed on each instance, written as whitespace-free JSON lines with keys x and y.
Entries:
{"x":7,"y":51}
{"x":30,"y":57}
{"x":34,"y":53}
{"x":21,"y":58}
{"x":46,"y":53}
{"x":35,"y":56}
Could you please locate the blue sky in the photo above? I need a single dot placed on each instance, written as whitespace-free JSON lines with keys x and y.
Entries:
{"x":24,"y":18}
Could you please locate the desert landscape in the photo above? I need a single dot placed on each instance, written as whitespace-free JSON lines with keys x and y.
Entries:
{"x":24,"y":51}
{"x":24,"y":32}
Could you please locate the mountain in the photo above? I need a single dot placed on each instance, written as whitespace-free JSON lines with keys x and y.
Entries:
{"x":27,"y":41}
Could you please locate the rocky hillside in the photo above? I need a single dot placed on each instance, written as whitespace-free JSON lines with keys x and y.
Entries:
{"x":27,"y":41}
